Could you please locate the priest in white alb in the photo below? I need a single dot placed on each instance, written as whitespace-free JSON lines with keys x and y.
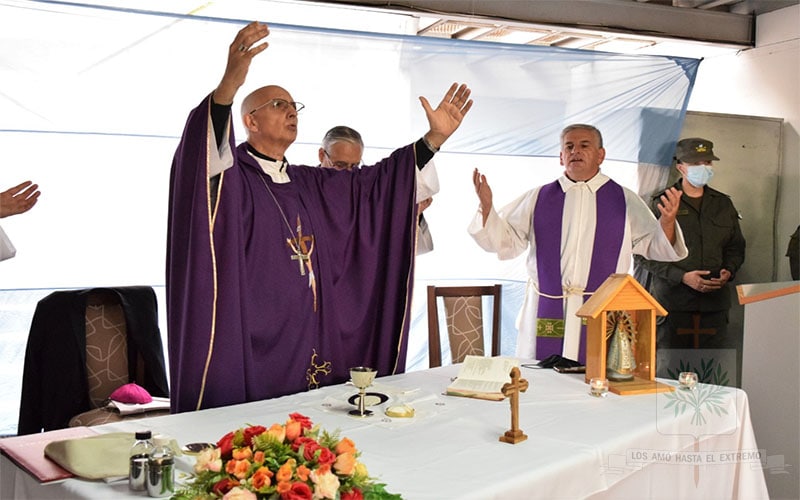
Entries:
{"x":579,"y":229}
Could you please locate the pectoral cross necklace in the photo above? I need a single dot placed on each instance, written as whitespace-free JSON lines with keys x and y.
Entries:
{"x":301,"y":246}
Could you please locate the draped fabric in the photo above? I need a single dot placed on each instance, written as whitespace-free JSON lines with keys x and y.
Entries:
{"x":247,"y":319}
{"x":96,"y":80}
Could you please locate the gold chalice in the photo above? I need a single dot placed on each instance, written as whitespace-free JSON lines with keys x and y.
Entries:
{"x":362,"y":377}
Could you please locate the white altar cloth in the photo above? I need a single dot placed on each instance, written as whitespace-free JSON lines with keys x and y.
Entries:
{"x":670,"y":445}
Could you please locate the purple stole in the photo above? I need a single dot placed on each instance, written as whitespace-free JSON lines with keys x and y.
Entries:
{"x":547,"y":225}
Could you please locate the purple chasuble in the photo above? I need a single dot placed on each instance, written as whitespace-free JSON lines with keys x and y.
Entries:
{"x":547,"y":226}
{"x":243,"y":323}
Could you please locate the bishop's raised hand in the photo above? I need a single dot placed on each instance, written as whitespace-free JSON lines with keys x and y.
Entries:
{"x":241,"y":52}
{"x":447,"y":117}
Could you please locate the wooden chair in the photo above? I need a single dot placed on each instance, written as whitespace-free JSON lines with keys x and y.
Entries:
{"x":463,"y":307}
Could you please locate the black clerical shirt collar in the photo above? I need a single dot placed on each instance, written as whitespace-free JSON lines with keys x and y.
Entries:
{"x":258,"y":154}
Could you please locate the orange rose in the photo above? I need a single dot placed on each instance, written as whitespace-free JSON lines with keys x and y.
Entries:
{"x":294,"y":430}
{"x":242,"y":454}
{"x":261,"y":478}
{"x":345,"y":464}
{"x":238,"y":468}
{"x":258,"y":457}
{"x":284,"y":472}
{"x":346,"y":445}
{"x":283,"y":487}
{"x":278,"y":432}
{"x":302,"y":473}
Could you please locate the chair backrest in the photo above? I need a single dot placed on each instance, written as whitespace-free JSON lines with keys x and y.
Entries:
{"x":110,"y":363}
{"x":106,"y":346}
{"x":463,"y":307}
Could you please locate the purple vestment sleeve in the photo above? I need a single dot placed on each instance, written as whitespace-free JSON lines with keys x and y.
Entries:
{"x":244,"y":323}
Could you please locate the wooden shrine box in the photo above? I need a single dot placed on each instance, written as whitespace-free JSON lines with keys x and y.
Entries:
{"x":621,"y":292}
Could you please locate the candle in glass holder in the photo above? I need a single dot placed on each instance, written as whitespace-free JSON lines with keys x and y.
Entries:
{"x":687,"y":380}
{"x":598,"y":387}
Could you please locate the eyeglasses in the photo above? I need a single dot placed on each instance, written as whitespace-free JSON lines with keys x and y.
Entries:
{"x":280,"y":105}
{"x":341,"y":165}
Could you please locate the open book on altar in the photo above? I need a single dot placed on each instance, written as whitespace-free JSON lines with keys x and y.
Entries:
{"x":482,"y":378}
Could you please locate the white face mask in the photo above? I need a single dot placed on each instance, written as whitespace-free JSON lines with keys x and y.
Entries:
{"x":699,"y":175}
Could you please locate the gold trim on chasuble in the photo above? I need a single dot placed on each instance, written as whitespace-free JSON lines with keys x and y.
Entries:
{"x":314,"y":369}
{"x":212,"y":217}
{"x":410,"y":275}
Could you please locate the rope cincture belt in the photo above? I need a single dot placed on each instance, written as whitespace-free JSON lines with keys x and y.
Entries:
{"x":568,"y":291}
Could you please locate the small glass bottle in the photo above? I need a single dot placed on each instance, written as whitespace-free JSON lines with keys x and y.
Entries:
{"x":140,"y":453}
{"x":161,"y":469}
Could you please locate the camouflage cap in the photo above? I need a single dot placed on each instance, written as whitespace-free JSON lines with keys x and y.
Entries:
{"x":694,"y":149}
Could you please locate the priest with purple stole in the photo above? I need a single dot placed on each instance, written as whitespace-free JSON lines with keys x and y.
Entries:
{"x":580,"y":229}
{"x":282,"y":277}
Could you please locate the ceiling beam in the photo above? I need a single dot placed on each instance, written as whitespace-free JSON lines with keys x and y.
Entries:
{"x":614,"y":16}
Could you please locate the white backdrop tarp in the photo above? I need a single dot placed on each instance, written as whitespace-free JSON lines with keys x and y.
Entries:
{"x":93,"y":97}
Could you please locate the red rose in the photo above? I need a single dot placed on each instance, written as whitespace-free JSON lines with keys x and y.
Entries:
{"x":297,"y":443}
{"x":354,"y":494}
{"x":223,"y":486}
{"x":251,"y":432}
{"x":305,"y":422}
{"x":225,"y":444}
{"x":326,"y":456}
{"x":309,"y":449}
{"x":299,"y":491}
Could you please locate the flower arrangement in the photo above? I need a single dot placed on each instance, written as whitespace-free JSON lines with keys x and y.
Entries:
{"x":292,"y":461}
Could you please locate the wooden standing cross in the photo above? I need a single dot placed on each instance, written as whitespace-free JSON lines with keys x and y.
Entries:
{"x":511,"y":390}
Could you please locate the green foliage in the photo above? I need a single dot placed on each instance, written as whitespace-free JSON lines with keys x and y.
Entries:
{"x":377,"y":491}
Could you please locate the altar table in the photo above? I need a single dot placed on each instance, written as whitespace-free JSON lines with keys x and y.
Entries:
{"x":683,"y":444}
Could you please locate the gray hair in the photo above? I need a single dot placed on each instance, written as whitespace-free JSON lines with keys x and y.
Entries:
{"x":341,"y":133}
{"x":582,"y":126}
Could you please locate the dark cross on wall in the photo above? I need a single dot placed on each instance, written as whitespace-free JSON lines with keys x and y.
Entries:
{"x":696,"y":330}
